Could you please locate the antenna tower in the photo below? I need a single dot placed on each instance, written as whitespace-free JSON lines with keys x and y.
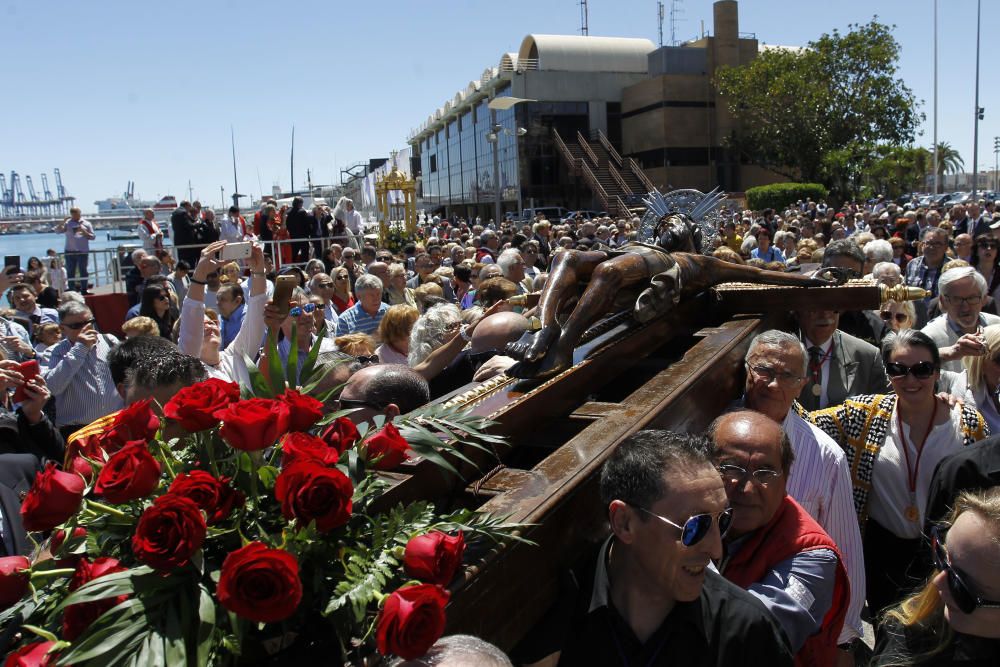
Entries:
{"x":659,"y":19}
{"x":675,"y":11}
{"x":584,"y":15}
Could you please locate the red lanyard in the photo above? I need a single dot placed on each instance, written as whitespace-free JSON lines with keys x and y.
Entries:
{"x":911,"y":477}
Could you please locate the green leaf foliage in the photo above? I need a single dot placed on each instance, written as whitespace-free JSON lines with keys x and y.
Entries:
{"x":780,"y":195}
{"x":841,"y":92}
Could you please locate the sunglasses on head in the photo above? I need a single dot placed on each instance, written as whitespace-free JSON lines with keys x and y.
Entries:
{"x":921,"y":370}
{"x":889,"y":315}
{"x":966,"y":600}
{"x":696,"y":527}
{"x":367,"y":359}
{"x":76,"y":326}
{"x":298,"y":310}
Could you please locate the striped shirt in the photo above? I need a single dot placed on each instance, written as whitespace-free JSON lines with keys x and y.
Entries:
{"x":356,"y":320}
{"x":80,"y":380}
{"x":820,"y":482}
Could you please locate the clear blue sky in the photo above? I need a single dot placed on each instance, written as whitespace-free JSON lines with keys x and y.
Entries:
{"x":112,"y":91}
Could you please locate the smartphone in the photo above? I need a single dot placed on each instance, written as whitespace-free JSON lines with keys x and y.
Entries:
{"x":29,"y":369}
{"x":12,"y":261}
{"x":283,"y":287}
{"x":234,"y":251}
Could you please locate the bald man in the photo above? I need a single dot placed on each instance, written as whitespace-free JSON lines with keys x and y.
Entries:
{"x":774,"y":549}
{"x":383,"y":389}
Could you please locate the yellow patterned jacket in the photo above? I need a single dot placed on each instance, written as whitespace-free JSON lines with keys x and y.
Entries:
{"x":860,"y":426}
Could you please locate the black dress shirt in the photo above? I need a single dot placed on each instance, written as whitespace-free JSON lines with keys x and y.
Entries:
{"x":722,"y":627}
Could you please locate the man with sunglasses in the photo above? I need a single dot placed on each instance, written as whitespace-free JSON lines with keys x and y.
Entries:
{"x":774,"y":549}
{"x":78,"y":374}
{"x":648,"y":596}
{"x":958,"y":330}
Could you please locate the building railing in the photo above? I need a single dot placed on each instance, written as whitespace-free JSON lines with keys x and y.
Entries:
{"x":623,"y":209}
{"x":527,"y":65}
{"x":631,"y":164}
{"x":585,"y":145}
{"x":595,"y":184}
{"x":615,"y":155}
{"x":617,"y":176}
{"x":106,"y":268}
{"x":564,"y":151}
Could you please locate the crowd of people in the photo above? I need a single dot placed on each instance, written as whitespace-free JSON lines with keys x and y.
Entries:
{"x":851,"y":481}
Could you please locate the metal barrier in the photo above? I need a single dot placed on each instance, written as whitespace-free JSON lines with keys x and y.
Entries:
{"x":107,"y":269}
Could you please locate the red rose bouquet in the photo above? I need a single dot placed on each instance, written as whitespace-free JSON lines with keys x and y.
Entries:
{"x":261,"y":527}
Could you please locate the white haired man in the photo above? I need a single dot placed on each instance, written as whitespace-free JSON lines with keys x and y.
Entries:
{"x":958,"y":330}
{"x":365,"y":315}
{"x":512,"y":265}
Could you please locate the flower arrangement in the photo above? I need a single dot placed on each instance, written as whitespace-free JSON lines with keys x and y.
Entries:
{"x":256,"y":535}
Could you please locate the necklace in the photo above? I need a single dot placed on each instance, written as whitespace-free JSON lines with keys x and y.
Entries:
{"x":911,"y":513}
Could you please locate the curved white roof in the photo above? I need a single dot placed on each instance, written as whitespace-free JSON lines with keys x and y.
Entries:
{"x":508,"y":62}
{"x":578,"y":53}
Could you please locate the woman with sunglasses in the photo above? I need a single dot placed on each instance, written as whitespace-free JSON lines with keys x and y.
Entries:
{"x":156,"y":305}
{"x":955,"y":618}
{"x":985,"y":258}
{"x":892,"y":443}
{"x":300,"y":314}
{"x":342,"y":298}
{"x":893,"y":317}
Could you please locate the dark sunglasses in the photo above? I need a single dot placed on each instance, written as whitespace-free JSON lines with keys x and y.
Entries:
{"x":889,"y":315}
{"x":298,"y":310}
{"x":352,"y":404}
{"x":921,"y":370}
{"x":966,"y":600}
{"x":367,"y":359}
{"x":696,"y":528}
{"x":76,"y":326}
{"x":162,"y":297}
{"x":993,"y":245}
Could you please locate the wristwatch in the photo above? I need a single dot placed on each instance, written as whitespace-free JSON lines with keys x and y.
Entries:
{"x":464,"y":332}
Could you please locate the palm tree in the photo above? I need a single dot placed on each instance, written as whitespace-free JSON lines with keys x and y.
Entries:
{"x":949,"y":161}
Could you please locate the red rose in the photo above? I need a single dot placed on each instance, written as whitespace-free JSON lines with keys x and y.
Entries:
{"x":433,"y":557}
{"x":194,"y":407}
{"x":308,"y":491}
{"x":32,"y":655}
{"x":78,"y":617}
{"x":260,"y":584}
{"x":253,"y":424}
{"x":54,"y":497}
{"x":136,"y":422}
{"x":297,"y":447}
{"x":304,"y":411}
{"x":341,"y":434}
{"x":213,"y":496}
{"x":131,"y":473}
{"x":14,"y":578}
{"x":82,"y":467}
{"x":169,"y":532}
{"x":411,"y":621}
{"x":387,"y":448}
{"x":59,"y":536}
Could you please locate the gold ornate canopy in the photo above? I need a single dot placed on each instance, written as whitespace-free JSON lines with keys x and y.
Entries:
{"x":407,"y":211}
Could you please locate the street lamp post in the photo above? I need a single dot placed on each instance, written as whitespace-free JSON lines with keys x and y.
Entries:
{"x":500,"y":104}
{"x":996,"y":165}
{"x":979,"y":110}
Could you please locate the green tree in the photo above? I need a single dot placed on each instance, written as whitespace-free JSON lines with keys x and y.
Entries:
{"x":949,"y":161}
{"x":814,"y":114}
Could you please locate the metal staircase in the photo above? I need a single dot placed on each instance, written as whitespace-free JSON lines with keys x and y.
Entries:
{"x":617,"y":182}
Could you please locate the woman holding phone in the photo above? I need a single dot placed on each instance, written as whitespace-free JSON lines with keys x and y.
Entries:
{"x":24,"y":428}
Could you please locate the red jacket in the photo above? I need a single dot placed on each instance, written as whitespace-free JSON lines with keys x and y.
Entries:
{"x":792,"y":531}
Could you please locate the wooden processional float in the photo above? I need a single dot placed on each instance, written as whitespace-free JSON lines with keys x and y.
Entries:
{"x":676,"y":372}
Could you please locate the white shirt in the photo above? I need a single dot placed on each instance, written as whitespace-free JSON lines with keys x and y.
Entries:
{"x":353,"y":221}
{"x":149,"y":235}
{"x":231,"y":366}
{"x":945,"y":335}
{"x":230,"y":229}
{"x":890,"y":494}
{"x":820,"y":481}
{"x":824,"y":369}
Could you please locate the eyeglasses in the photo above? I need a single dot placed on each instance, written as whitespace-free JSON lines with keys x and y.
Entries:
{"x":767,"y":374}
{"x":351,"y":404}
{"x":921,"y":370}
{"x":735,"y":474}
{"x":696,"y":527}
{"x":888,"y":315}
{"x":965,"y":301}
{"x":339,"y":278}
{"x":76,"y":326}
{"x":367,"y":359}
{"x":987,"y":245}
{"x":966,"y":600}
{"x":162,"y":297}
{"x":297,"y":311}
{"x":324,"y":285}
{"x":934,"y":244}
